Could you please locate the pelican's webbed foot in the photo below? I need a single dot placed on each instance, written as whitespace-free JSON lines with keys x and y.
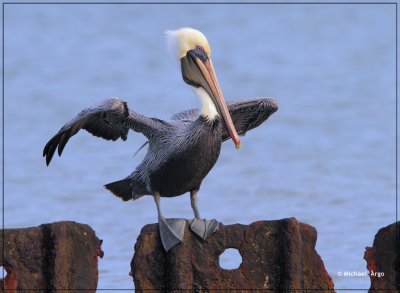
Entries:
{"x":171,"y":232}
{"x":204,"y":228}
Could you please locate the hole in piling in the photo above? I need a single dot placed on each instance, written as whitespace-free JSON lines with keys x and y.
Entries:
{"x":3,"y":273}
{"x":230,"y":259}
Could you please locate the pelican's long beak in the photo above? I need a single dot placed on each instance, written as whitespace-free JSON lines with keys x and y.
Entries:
{"x":197,"y":70}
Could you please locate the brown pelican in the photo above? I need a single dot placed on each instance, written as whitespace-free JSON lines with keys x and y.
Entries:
{"x":181,"y":151}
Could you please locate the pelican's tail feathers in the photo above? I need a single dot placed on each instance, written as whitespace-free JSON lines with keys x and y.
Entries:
{"x":124,"y":189}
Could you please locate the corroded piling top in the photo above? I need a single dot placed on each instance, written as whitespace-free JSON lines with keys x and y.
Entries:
{"x":277,"y":255}
{"x":56,"y":256}
{"x":383,"y":259}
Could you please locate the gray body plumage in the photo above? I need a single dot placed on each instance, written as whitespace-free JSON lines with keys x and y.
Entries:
{"x":181,"y":151}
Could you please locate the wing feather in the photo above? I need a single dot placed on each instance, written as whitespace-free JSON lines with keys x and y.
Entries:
{"x":110,"y":120}
{"x":188,"y":115}
{"x":249,"y":114}
{"x":246,"y":114}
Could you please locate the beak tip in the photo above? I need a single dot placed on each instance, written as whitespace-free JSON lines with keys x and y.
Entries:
{"x":238,"y":145}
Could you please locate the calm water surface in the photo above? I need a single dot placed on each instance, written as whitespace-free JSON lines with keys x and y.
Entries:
{"x":327,"y":157}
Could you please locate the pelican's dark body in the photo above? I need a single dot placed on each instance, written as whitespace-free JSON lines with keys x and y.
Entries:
{"x":177,"y":161}
{"x":190,"y":162}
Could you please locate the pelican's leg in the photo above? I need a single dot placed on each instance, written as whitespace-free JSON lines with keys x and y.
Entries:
{"x":193,"y":202}
{"x":202,"y":228}
{"x":171,"y":230}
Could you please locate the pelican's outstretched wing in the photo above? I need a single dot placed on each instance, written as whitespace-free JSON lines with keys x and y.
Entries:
{"x":249,"y":114}
{"x":110,"y":120}
{"x":246,"y":114}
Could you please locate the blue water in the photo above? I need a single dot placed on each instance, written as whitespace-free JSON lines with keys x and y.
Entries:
{"x":327,"y":157}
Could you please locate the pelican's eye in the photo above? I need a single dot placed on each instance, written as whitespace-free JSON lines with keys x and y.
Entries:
{"x":200,"y":48}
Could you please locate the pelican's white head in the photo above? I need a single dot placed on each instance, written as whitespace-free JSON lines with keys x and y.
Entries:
{"x":194,"y":53}
{"x":182,"y":40}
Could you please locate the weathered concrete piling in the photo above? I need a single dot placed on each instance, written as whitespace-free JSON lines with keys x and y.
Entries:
{"x":383,"y":260}
{"x":61,"y":255}
{"x":277,"y":255}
